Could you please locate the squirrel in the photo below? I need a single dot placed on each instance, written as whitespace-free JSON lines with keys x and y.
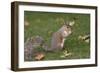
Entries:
{"x":57,"y":41}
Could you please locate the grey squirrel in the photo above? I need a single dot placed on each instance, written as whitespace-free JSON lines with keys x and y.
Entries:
{"x":57,"y":41}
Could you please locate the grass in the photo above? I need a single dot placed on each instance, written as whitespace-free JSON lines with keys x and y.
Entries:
{"x":45,"y":23}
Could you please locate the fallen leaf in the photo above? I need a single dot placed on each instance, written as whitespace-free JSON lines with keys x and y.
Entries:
{"x":26,"y":23}
{"x":80,"y":37}
{"x":39,"y":56}
{"x":65,"y":54}
{"x":87,"y":41}
{"x":68,"y":54}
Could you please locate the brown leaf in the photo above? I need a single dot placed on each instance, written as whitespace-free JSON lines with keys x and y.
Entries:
{"x":39,"y":56}
{"x":26,"y":23}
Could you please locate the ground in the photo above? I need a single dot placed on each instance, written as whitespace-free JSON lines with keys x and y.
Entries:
{"x":45,"y":23}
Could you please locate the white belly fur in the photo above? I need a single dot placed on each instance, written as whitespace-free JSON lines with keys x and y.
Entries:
{"x":62,"y":44}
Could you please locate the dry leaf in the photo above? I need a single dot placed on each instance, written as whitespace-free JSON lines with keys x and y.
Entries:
{"x":65,"y":54}
{"x":39,"y":56}
{"x":87,"y":41}
{"x":26,"y":23}
{"x":80,"y":37}
{"x":68,"y":54}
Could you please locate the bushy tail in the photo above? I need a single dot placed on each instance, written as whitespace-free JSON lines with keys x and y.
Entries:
{"x":47,"y":48}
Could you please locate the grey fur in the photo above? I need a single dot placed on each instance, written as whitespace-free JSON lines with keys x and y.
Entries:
{"x":31,"y":45}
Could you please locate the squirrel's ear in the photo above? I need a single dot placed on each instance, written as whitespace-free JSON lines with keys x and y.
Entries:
{"x":71,"y":23}
{"x":66,"y":23}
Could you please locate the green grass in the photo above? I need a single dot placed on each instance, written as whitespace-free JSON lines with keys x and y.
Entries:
{"x":45,"y":23}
